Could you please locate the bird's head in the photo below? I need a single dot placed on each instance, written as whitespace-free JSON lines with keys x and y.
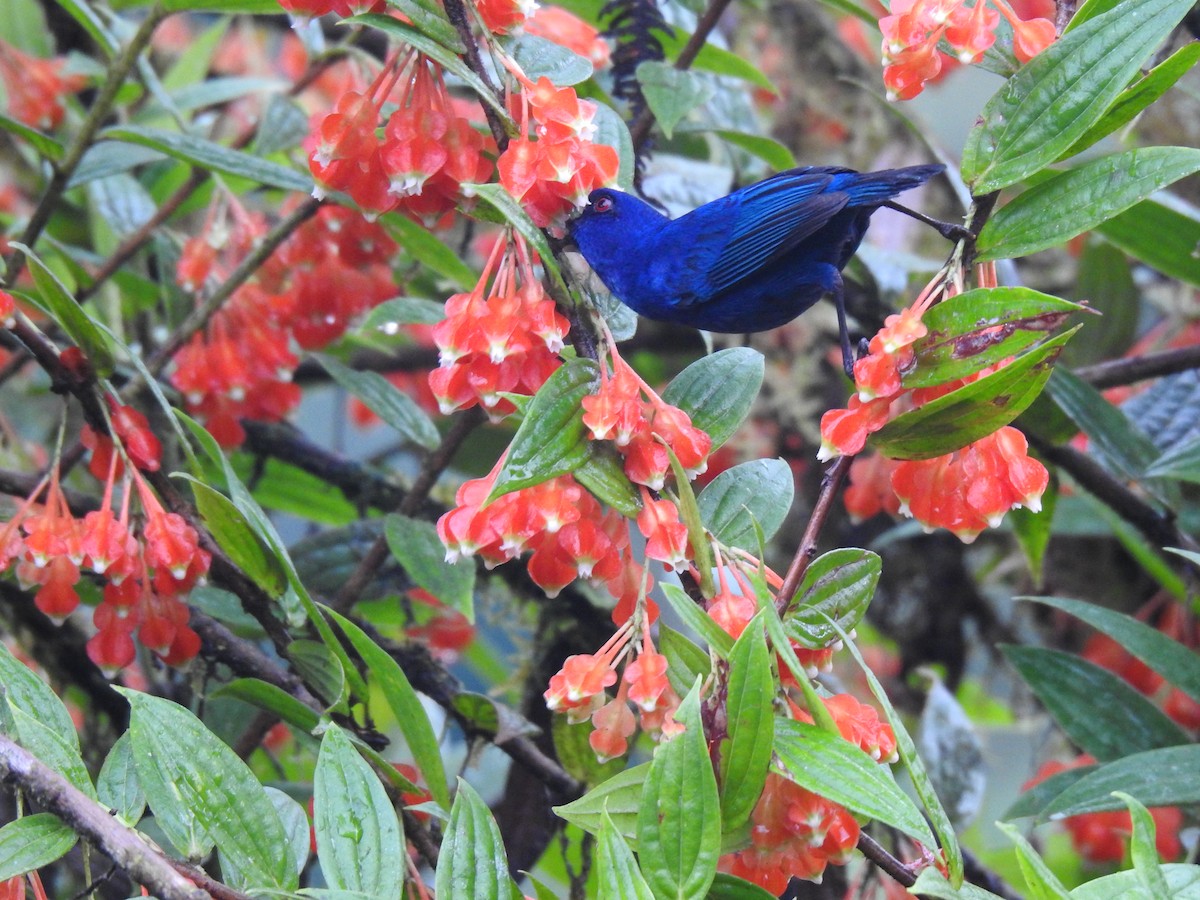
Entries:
{"x":611,"y":225}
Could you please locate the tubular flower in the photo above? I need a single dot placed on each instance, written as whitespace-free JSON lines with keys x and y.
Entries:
{"x":36,"y":87}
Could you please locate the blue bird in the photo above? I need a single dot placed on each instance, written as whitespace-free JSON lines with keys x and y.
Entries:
{"x":750,"y":261}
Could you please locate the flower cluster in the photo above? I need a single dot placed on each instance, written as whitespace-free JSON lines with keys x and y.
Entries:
{"x":578,"y":689}
{"x":331,"y":269}
{"x":36,"y":87}
{"x":566,"y":529}
{"x":147,"y":564}
{"x":965,"y":491}
{"x":553,"y":164}
{"x":1100,"y":837}
{"x":795,"y":832}
{"x":626,"y":411}
{"x":427,"y":152}
{"x":313,"y":9}
{"x":915,"y":28}
{"x":502,"y":337}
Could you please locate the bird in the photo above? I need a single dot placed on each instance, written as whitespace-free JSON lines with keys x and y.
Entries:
{"x":749,"y":261}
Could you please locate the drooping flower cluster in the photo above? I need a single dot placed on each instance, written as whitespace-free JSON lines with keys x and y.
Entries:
{"x":554,"y":163}
{"x":965,"y":491}
{"x":568,"y":30}
{"x":795,"y":832}
{"x":502,"y":337}
{"x":147,"y":563}
{"x":915,"y":28}
{"x":627,"y":412}
{"x":312,"y":9}
{"x":579,"y":689}
{"x":36,"y":87}
{"x":332,"y":268}
{"x":1101,"y":837}
{"x":570,"y":535}
{"x":427,"y":152}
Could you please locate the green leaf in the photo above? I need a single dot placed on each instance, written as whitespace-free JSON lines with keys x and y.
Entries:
{"x":572,"y":747}
{"x":671,"y":93}
{"x":717,"y":391}
{"x":211,"y":155}
{"x":57,"y":301}
{"x":1183,"y":882}
{"x":679,"y":819}
{"x":192,"y":778}
{"x":296,"y":825}
{"x":932,"y":883}
{"x":1138,"y":95}
{"x":226,"y":7}
{"x":539,"y":57}
{"x":229,"y":527}
{"x":416,"y":546}
{"x":619,"y":797}
{"x":1099,"y":712}
{"x":1161,"y":237}
{"x":430,"y":19}
{"x":1043,"y":884}
{"x":769,"y":150}
{"x":30,"y":842}
{"x":23,"y":690}
{"x":322,"y":671}
{"x":1142,"y":849}
{"x":1178,"y":664}
{"x":746,"y":757}
{"x":512,"y":212}
{"x":41,"y":142}
{"x":697,"y":619}
{"x":1035,"y":800}
{"x":284,"y":126}
{"x":60,"y":753}
{"x":1063,"y":91}
{"x":271,"y":699}
{"x":838,"y":587}
{"x":551,"y":440}
{"x":405,"y":705}
{"x":428,"y":249}
{"x":617,"y":872}
{"x":1162,"y":777}
{"x":472,"y":862}
{"x":603,"y":474}
{"x":730,"y":887}
{"x":398,"y":410}
{"x":971,"y":412}
{"x":758,"y":492}
{"x":403,"y":311}
{"x":686,"y":660}
{"x":106,"y":158}
{"x":717,"y":60}
{"x":1033,"y":530}
{"x":1180,"y":463}
{"x":612,"y":131}
{"x":359,"y":839}
{"x":1072,"y":202}
{"x":1121,"y":444}
{"x":117,"y":786}
{"x":831,"y":766}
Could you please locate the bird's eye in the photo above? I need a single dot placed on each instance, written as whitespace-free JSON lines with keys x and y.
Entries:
{"x":603,"y":205}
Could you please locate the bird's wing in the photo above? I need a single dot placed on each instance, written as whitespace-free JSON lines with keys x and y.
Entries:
{"x":770,"y":219}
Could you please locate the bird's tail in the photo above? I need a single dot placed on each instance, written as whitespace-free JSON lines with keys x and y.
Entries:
{"x":871,"y":188}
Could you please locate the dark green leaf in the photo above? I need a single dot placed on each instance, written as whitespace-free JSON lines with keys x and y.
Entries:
{"x":1072,"y":202}
{"x":22,"y":688}
{"x":405,"y":705}
{"x":1161,"y":237}
{"x":403,"y":311}
{"x":1035,"y":800}
{"x":359,"y":840}
{"x":617,"y":872}
{"x":1099,"y":711}
{"x":679,"y":819}
{"x":321,"y":670}
{"x":1180,"y":463}
{"x":57,"y":301}
{"x":117,"y":786}
{"x":619,"y":796}
{"x":211,"y":155}
{"x":1105,"y":280}
{"x":41,"y":142}
{"x":832,"y":767}
{"x":685,"y":660}
{"x":472,"y":862}
{"x":697,"y":619}
{"x":190,"y":775}
{"x":1138,"y":95}
{"x":398,"y":410}
{"x":717,"y":391}
{"x":551,"y":440}
{"x":730,"y":887}
{"x":431,"y":20}
{"x":769,"y":150}
{"x":31,"y":842}
{"x":425,"y":247}
{"x":416,"y":546}
{"x":1163,"y":777}
{"x":272,"y":699}
{"x":1063,"y":91}
{"x":971,"y":412}
{"x":572,"y":747}
{"x":671,"y":93}
{"x":603,"y":474}
{"x":837,"y":587}
{"x":1178,"y":664}
{"x":1033,"y":529}
{"x":1121,"y":444}
{"x":231,"y":530}
{"x":539,"y":57}
{"x":757,"y":492}
{"x":750,"y":698}
{"x":58,"y":752}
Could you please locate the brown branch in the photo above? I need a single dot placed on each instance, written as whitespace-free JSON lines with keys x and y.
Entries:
{"x":456,"y":12}
{"x":117,"y":841}
{"x":640,"y":130}
{"x":875,"y":852}
{"x":830,"y":485}
{"x":1117,"y":372}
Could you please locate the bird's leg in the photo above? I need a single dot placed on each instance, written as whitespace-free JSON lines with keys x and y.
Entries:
{"x":837,"y":290}
{"x":949,"y":230}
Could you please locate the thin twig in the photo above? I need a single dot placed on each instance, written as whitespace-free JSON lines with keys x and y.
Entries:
{"x":830,"y":485}
{"x":1116,"y":372}
{"x":875,"y":852}
{"x":456,"y":12}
